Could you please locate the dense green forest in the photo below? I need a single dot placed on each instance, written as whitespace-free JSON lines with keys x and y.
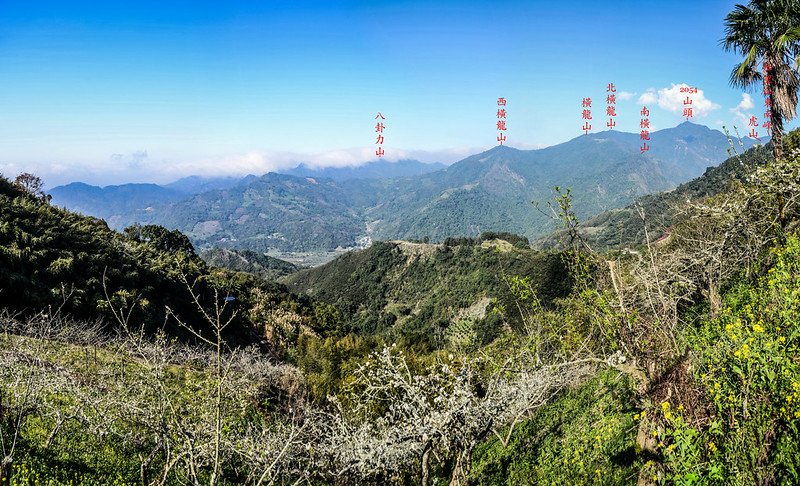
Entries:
{"x":247,"y":261}
{"x":427,"y":296}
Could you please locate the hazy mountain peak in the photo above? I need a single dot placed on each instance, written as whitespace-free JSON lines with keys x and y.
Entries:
{"x":373,"y":169}
{"x":196,"y":184}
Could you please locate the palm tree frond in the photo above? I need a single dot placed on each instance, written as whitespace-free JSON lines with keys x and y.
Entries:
{"x":739,"y":29}
{"x":744,"y":76}
{"x":787,"y":39}
{"x":768,"y":31}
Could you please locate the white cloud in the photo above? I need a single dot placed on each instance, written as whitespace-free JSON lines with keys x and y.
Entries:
{"x":625,"y":95}
{"x":9,"y":169}
{"x":148,"y":166}
{"x":672,"y":99}
{"x":746,"y":103}
{"x":741,"y":111}
{"x":445,"y":156}
{"x":648,"y":97}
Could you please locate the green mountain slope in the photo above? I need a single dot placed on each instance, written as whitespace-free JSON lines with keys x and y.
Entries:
{"x":624,"y":227}
{"x":492,"y":191}
{"x":114,"y":204}
{"x":274,"y":211}
{"x":55,"y":259}
{"x":247,"y":261}
{"x":123,"y":205}
{"x":430,"y":294}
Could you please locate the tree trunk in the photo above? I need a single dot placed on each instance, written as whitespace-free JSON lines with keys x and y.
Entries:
{"x":426,"y":473}
{"x":461,"y":471}
{"x":777,"y":135}
{"x":714,"y":297}
{"x":775,"y":113}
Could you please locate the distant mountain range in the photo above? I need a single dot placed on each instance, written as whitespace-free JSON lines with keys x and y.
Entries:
{"x":623,"y":227}
{"x":124,"y":204}
{"x":274,"y":211}
{"x":493,"y":191}
{"x":376,"y":169}
{"x":345,"y":207}
{"x":116,"y":203}
{"x":198,"y":184}
{"x":113,"y":203}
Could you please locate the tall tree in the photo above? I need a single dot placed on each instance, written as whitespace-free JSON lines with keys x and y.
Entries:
{"x":30,"y":183}
{"x":767,"y":32}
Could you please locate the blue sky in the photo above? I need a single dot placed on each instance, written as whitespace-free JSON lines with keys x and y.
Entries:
{"x":150,"y":91}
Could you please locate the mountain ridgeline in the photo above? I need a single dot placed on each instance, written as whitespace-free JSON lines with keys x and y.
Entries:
{"x":376,"y":169}
{"x":491,"y":191}
{"x":521,"y":361}
{"x":624,"y":227}
{"x":248,"y":261}
{"x":655,"y":343}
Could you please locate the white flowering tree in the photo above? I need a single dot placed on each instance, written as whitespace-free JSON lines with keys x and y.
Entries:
{"x":394,"y":422}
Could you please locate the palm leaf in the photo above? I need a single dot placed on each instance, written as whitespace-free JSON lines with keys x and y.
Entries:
{"x":739,"y":29}
{"x":744,"y":76}
{"x":787,"y":40}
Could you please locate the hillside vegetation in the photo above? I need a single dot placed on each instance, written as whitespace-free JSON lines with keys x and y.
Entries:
{"x":264,"y":266}
{"x":126,"y":359}
{"x":55,"y":259}
{"x":577,"y":367}
{"x":625,"y":227}
{"x":432,"y":295}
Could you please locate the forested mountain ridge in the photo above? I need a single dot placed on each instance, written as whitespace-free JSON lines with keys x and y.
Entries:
{"x":491,"y":191}
{"x":684,"y":152}
{"x":428,"y":338}
{"x":197,"y":184}
{"x":125,"y":204}
{"x":265,"y":266}
{"x":112,"y":203}
{"x":125,"y":358}
{"x":57,"y":259}
{"x":429,"y":295}
{"x":624,"y":227}
{"x":273,"y":211}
